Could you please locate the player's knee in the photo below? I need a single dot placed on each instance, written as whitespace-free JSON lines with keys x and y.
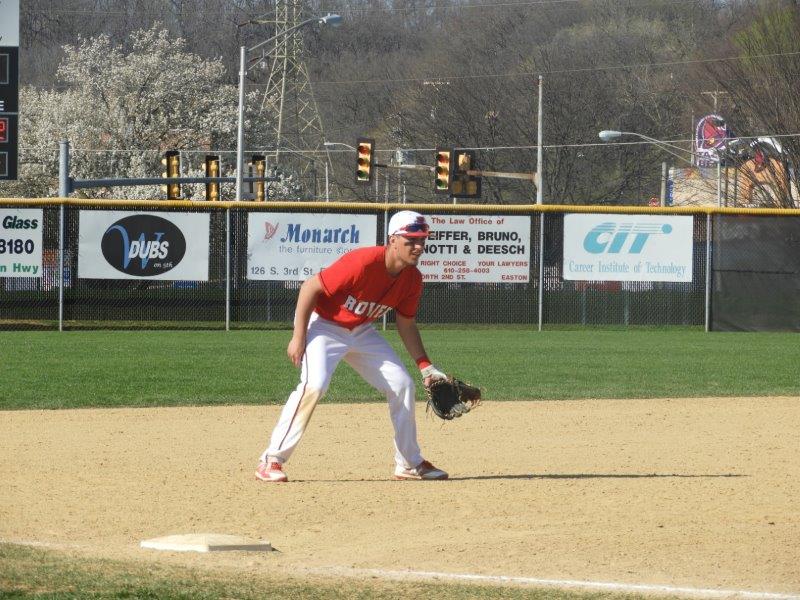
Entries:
{"x":403,"y":385}
{"x":318,"y":384}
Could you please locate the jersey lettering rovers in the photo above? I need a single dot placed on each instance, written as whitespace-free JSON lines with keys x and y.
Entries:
{"x":358,"y":289}
{"x":373,"y":310}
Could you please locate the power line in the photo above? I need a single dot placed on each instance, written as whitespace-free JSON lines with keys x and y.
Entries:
{"x":423,"y":149}
{"x":579,"y":5}
{"x":522,"y":74}
{"x":557,"y":71}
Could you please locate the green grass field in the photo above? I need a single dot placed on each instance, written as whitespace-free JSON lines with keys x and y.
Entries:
{"x":35,"y":573}
{"x":51,"y":370}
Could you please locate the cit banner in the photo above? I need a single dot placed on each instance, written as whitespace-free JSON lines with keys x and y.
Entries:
{"x":627,"y":247}
{"x":294,"y":246}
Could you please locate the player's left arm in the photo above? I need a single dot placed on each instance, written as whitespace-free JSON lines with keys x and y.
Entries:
{"x":412,"y":340}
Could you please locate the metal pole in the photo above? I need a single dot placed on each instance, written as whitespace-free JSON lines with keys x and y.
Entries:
{"x":726,"y":185}
{"x":327,"y":189}
{"x":240,"y":135}
{"x":708,"y":271}
{"x":541,"y":269}
{"x":539,"y":201}
{"x":228,"y":269}
{"x":63,"y":169}
{"x":539,"y":150}
{"x":664,"y":175}
{"x":63,"y":191}
{"x":385,"y":227}
{"x":61,"y":268}
{"x":719,"y":182}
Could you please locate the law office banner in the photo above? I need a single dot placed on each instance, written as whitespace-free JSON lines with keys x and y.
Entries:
{"x":477,"y":249}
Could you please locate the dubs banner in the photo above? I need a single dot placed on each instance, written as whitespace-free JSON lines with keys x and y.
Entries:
{"x":293,"y":246}
{"x":627,"y":247}
{"x":21,"y":242}
{"x":122,"y":245}
{"x":477,"y":248}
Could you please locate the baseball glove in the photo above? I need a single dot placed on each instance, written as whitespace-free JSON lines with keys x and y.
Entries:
{"x":450,"y":398}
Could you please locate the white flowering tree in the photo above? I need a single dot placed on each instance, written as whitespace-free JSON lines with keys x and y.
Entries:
{"x":121,"y":106}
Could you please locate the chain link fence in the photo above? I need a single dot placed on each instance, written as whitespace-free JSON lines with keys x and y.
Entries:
{"x":228,"y":298}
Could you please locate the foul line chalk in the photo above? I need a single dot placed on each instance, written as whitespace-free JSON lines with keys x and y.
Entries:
{"x":499,"y":579}
{"x":560,"y":583}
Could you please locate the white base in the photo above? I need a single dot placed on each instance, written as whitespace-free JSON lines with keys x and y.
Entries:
{"x":205,"y":542}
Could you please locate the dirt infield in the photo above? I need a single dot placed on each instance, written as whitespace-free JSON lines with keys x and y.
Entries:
{"x":680,"y":492}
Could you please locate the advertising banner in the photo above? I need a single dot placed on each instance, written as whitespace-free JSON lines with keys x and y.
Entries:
{"x":293,"y":246}
{"x":477,"y":248}
{"x":124,"y":245}
{"x":21,"y":242}
{"x":627,"y":247}
{"x":711,"y":137}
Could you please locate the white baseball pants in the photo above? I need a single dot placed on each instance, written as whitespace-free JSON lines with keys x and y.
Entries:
{"x":374,"y":359}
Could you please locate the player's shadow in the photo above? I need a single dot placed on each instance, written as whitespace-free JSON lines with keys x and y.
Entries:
{"x":546,"y":476}
{"x":598,"y":476}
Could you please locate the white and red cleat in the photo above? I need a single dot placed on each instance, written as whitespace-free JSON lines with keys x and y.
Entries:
{"x":271,"y":471}
{"x":423,"y":470}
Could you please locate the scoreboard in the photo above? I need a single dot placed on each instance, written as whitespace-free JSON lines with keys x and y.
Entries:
{"x":9,"y":88}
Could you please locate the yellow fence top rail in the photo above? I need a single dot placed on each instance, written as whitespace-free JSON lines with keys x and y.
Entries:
{"x":392,"y":206}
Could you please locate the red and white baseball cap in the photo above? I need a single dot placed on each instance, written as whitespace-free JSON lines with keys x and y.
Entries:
{"x":408,"y":224}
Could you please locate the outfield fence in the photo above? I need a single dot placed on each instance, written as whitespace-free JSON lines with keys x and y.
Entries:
{"x":732,"y":269}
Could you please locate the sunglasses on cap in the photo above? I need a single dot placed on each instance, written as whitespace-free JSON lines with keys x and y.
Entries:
{"x":413,"y":228}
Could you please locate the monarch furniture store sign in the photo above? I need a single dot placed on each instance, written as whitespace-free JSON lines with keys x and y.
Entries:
{"x":294,"y":246}
{"x":627,"y":247}
{"x":21,"y":242}
{"x":477,"y":249}
{"x":121,"y":245}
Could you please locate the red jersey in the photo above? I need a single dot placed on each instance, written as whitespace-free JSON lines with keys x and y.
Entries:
{"x":358,"y":289}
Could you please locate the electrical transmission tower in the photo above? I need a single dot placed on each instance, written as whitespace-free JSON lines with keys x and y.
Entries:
{"x":289,"y":96}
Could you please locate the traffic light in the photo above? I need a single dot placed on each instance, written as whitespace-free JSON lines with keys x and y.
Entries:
{"x":212,"y":170}
{"x":259,"y":164}
{"x":366,"y":160}
{"x":443,"y":171}
{"x":172,"y":168}
{"x":465,"y":185}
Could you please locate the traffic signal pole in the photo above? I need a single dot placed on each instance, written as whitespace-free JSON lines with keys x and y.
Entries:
{"x":67,"y":185}
{"x":479,"y":173}
{"x":474,"y":172}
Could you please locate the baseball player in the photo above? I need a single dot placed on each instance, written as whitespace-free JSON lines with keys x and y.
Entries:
{"x":333,"y":322}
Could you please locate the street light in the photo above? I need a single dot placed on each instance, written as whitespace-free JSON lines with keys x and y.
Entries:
{"x":331,"y":144}
{"x":350,"y":148}
{"x":329,"y":19}
{"x":610,"y":136}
